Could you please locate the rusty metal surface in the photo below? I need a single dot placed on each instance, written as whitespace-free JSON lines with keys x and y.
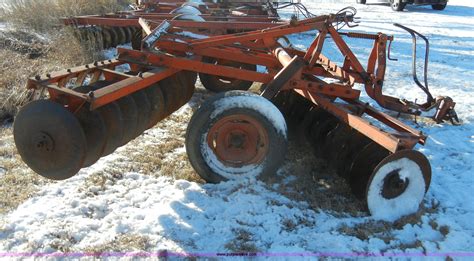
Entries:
{"x":175,"y":49}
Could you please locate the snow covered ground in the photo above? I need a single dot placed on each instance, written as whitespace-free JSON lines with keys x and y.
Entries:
{"x":138,"y":211}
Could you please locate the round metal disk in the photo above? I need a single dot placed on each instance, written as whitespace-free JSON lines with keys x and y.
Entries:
{"x":412,"y":155}
{"x":114,"y":36}
{"x":398,"y":185}
{"x":168,"y":87}
{"x":107,"y":38}
{"x":113,"y":120}
{"x":144,"y":109}
{"x":121,"y":37}
{"x":129,"y":111}
{"x":363,"y":166}
{"x":96,"y":134}
{"x":128,"y":33}
{"x":186,"y":89}
{"x":50,"y":139}
{"x":157,"y":101}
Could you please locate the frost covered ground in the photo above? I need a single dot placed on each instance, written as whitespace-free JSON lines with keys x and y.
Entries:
{"x":132,"y":200}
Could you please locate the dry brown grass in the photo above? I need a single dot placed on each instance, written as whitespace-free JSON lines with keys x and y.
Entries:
{"x":242,"y":243}
{"x":17,"y":182}
{"x":121,"y":243}
{"x":158,"y":155}
{"x":43,"y":15}
{"x":25,"y":55}
{"x":314,"y":182}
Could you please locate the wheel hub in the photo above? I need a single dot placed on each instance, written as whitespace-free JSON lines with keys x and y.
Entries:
{"x":238,"y":140}
{"x":393,"y":185}
{"x":44,"y":142}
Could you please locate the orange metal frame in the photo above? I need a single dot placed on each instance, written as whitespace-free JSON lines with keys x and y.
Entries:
{"x":287,"y":69}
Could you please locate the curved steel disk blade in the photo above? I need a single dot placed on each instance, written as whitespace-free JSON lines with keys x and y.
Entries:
{"x":107,"y":38}
{"x":363,"y":166}
{"x":96,"y":134}
{"x":157,"y":101}
{"x":322,"y":131}
{"x":112,"y":117}
{"x":144,"y":109}
{"x":303,"y":129}
{"x":321,"y":116}
{"x":328,"y":146}
{"x":121,"y":38}
{"x":114,"y":36}
{"x":94,"y":128}
{"x":337,"y":144}
{"x":129,"y":111}
{"x":49,"y":139}
{"x":183,"y":91}
{"x":128,"y":33}
{"x":354,"y":144}
{"x":169,"y":87}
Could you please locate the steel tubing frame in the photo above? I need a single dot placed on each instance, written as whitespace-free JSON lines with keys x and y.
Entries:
{"x":263,"y":46}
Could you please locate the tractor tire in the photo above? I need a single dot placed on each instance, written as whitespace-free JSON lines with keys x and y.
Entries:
{"x":439,"y":7}
{"x":397,"y":5}
{"x":221,"y":84}
{"x":236,"y":135}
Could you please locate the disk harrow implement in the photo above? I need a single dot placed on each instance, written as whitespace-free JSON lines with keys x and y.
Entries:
{"x":96,"y":108}
{"x":111,"y":30}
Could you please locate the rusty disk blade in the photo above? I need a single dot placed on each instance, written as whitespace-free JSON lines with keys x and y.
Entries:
{"x":128,"y":33}
{"x":279,"y":99}
{"x":107,"y":38}
{"x":144,"y":109}
{"x":137,"y":39}
{"x":290,"y":101}
{"x":95,"y":129}
{"x":336,"y":144}
{"x":170,"y":89}
{"x":187,"y":89}
{"x":129,"y":111}
{"x":157,"y":102}
{"x":327,"y":143}
{"x":303,"y":131}
{"x":300,"y":107}
{"x":363,"y":166}
{"x":322,"y":131}
{"x":96,"y":37}
{"x":320,"y":117}
{"x":96,"y":134}
{"x":50,"y":139}
{"x":121,"y":38}
{"x":192,"y":78}
{"x":114,"y":37}
{"x":353,"y":145}
{"x":113,"y":120}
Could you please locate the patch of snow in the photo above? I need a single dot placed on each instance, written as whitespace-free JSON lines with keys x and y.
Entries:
{"x":192,"y":35}
{"x":189,"y":217}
